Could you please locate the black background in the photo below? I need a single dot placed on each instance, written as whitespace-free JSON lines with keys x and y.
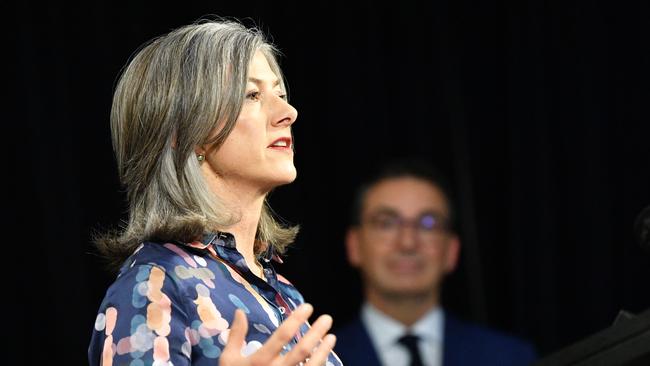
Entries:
{"x":537,"y":110}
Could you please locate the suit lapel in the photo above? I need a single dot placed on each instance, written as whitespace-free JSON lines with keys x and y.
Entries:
{"x":359,"y":350}
{"x":452,"y":342}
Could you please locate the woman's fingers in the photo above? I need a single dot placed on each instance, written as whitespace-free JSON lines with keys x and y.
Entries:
{"x":231,"y":354}
{"x":285,"y":332}
{"x":319,"y":356}
{"x":304,"y":348}
{"x":314,"y":346}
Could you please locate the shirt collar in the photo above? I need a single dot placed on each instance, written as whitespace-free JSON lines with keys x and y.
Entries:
{"x":227,"y":240}
{"x":383,"y":329}
{"x":222,"y":239}
{"x":386,"y":330}
{"x":430,"y":326}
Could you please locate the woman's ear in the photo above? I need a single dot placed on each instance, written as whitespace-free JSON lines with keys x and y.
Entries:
{"x":174,"y":140}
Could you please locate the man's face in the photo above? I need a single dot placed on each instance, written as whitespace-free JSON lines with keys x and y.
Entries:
{"x":403,"y":247}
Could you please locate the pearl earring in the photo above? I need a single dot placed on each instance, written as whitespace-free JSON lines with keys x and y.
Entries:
{"x":200,"y":157}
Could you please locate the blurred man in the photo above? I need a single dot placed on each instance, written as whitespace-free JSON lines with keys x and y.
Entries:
{"x":403,"y":243}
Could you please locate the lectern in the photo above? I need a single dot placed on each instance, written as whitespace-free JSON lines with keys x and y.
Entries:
{"x":625,"y":343}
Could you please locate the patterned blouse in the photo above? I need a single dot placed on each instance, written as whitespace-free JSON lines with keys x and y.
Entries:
{"x":172,"y":304}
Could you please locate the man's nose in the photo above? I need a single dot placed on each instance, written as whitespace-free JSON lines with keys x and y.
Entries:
{"x":407,"y":236}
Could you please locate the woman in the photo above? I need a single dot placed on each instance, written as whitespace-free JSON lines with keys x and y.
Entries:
{"x":201,"y":130}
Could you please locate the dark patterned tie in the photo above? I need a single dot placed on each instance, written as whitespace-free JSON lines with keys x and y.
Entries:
{"x":410,"y":341}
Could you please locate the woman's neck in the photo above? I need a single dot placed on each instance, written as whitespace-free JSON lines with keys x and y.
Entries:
{"x":247,"y":205}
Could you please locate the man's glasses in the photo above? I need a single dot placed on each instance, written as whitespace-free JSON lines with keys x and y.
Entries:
{"x":388,"y":225}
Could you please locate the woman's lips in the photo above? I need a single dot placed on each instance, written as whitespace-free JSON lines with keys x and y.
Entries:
{"x":282,"y":144}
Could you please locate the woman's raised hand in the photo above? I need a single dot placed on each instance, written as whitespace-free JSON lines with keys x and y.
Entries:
{"x":312,"y":349}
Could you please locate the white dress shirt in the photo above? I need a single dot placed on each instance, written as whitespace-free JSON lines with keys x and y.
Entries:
{"x":384,"y":332}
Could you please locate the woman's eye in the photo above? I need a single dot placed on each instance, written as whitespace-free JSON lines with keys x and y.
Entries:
{"x":253,"y":95}
{"x":283,"y":96}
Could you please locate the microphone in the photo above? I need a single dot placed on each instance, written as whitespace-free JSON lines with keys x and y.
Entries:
{"x":642,"y":229}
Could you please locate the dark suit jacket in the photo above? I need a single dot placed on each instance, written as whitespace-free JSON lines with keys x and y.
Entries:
{"x":464,"y":344}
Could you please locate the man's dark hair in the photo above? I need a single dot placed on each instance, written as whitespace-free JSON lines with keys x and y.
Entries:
{"x":400,"y":168}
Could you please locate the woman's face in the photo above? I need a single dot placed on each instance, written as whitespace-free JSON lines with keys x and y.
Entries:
{"x":259,"y":151}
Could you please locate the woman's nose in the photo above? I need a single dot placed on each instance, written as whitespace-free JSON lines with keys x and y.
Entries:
{"x":286,"y":113}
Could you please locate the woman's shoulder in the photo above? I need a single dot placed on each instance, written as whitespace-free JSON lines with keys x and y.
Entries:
{"x":164,"y":255}
{"x":172,"y":267}
{"x":181,"y":265}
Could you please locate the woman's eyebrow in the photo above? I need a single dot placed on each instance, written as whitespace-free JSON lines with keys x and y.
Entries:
{"x":276,"y":81}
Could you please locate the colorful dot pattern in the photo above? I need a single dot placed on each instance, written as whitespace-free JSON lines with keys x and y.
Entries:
{"x":173,"y":303}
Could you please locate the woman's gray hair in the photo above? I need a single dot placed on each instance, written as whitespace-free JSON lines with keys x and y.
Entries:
{"x":172,"y":95}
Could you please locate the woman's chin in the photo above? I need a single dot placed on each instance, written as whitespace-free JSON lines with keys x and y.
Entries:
{"x":282,"y":176}
{"x":287,"y":176}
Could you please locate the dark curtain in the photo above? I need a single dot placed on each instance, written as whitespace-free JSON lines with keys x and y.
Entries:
{"x":537,"y":111}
